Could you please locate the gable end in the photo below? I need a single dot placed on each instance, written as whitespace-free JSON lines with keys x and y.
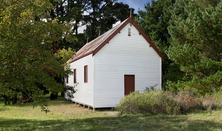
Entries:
{"x":111,"y":36}
{"x":89,"y":49}
{"x":131,"y":21}
{"x":147,"y":39}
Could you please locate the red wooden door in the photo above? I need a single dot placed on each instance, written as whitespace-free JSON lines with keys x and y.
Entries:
{"x":129,"y":83}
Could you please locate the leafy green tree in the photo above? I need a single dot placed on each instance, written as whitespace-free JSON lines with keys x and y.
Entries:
{"x":70,"y":11}
{"x":27,"y":55}
{"x":154,"y":22}
{"x":102,"y":15}
{"x":196,"y":44}
{"x":97,"y":15}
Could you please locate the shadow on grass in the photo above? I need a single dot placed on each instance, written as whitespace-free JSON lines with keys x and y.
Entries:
{"x":57,"y":102}
{"x":4,"y":109}
{"x":125,"y":122}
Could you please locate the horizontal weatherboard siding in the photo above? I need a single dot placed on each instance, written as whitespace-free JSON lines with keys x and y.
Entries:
{"x":124,"y":55}
{"x":84,"y":93}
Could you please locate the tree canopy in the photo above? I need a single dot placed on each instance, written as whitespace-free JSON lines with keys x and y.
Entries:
{"x":28,"y":51}
{"x":188,"y":33}
{"x":154,"y":22}
{"x":196,"y":43}
{"x":97,"y":16}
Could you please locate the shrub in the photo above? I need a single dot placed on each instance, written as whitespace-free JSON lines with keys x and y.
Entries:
{"x":217,"y":97}
{"x":187,"y":102}
{"x":212,"y":102}
{"x":209,"y":103}
{"x":166,"y":102}
{"x":148,"y":102}
{"x":128,"y":104}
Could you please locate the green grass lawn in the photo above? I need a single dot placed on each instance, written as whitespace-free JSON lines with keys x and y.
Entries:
{"x":68,"y":116}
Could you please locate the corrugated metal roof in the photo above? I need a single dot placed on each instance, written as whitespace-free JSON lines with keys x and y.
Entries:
{"x":95,"y":45}
{"x":88,"y":48}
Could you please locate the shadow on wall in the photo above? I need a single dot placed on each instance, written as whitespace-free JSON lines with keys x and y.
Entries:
{"x":151,"y":88}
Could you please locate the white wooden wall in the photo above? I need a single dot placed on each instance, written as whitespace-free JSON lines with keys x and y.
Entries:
{"x":124,"y":55}
{"x":84,"y":92}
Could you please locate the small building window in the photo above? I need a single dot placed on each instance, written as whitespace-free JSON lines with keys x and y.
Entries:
{"x":85,"y":74}
{"x":129,"y":31}
{"x":67,"y":79}
{"x":74,"y":75}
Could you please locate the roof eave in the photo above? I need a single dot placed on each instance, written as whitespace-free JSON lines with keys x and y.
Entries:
{"x":147,"y":39}
{"x":111,"y":36}
{"x":75,"y":59}
{"x":132,"y":22}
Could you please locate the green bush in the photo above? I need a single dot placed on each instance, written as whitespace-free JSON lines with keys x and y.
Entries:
{"x":203,"y":86}
{"x":217,"y":96}
{"x":128,"y":104}
{"x":213,"y":101}
{"x":166,"y":102}
{"x":148,"y":102}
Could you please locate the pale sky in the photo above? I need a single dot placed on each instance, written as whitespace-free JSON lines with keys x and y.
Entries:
{"x":136,"y":4}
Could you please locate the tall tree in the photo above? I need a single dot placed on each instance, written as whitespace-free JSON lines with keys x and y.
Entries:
{"x":102,"y":15}
{"x":27,"y":56}
{"x":154,"y":22}
{"x":70,"y":11}
{"x":196,"y":44}
{"x":97,"y":15}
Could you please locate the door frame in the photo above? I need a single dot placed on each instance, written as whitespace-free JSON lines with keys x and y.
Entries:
{"x":129,"y":86}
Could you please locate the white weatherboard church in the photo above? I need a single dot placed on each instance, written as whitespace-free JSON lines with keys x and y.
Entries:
{"x":114,"y":64}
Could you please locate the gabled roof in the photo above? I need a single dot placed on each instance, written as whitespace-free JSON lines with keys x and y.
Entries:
{"x":95,"y":45}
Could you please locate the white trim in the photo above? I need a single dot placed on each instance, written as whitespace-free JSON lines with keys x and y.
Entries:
{"x":161,"y":73}
{"x":93,"y":93}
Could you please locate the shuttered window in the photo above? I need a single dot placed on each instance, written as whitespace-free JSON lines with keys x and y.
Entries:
{"x":86,"y":74}
{"x":74,"y":75}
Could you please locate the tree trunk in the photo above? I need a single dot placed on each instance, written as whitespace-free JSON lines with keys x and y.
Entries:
{"x":53,"y":96}
{"x":62,"y":94}
{"x":5,"y":99}
{"x":25,"y":98}
{"x":8,"y":99}
{"x":14,"y":99}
